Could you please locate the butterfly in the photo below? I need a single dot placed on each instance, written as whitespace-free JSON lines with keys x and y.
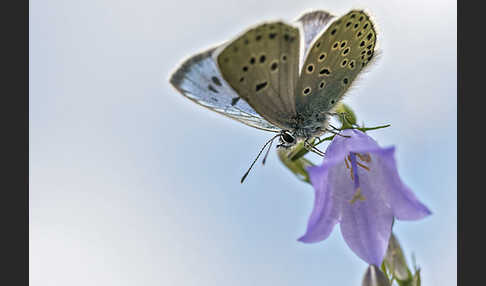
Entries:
{"x":285,"y":78}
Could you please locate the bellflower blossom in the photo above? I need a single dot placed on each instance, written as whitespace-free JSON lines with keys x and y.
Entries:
{"x":358,"y":186}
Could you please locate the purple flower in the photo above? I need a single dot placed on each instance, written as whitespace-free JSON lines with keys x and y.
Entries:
{"x":359,"y":187}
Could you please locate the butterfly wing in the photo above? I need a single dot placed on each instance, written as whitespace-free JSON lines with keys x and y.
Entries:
{"x":199,"y":79}
{"x":312,"y":23}
{"x":333,"y":62}
{"x":261,"y":65}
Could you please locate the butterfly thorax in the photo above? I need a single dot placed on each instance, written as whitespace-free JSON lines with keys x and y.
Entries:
{"x":310,"y":124}
{"x":303,"y":128}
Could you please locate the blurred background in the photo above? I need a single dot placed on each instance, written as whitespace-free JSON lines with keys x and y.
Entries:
{"x":133,"y":184}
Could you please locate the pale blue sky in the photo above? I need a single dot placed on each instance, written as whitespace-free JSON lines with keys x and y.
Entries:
{"x":132,"y":184}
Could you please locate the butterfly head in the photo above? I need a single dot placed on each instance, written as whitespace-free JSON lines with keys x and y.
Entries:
{"x":287,"y":139}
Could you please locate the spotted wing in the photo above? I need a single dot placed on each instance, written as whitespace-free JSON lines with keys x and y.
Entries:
{"x":261,"y":65}
{"x":336,"y":58}
{"x":312,"y":23}
{"x":199,"y":79}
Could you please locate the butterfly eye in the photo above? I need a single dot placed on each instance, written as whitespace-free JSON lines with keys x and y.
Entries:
{"x":287,"y":138}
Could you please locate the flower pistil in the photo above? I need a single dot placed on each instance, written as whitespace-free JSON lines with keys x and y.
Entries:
{"x":353,"y":171}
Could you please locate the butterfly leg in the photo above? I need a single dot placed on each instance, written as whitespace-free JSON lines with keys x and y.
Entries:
{"x":334,"y":128}
{"x":336,"y":133}
{"x":312,"y":148}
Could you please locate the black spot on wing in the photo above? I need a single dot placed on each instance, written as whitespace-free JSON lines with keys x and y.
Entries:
{"x":216,"y":81}
{"x":234,"y":101}
{"x":211,"y":88}
{"x":325,"y":71}
{"x":274,"y":66}
{"x":260,"y":86}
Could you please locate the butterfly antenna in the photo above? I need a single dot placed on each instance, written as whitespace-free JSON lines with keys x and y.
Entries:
{"x":258,"y":156}
{"x":268,"y":151}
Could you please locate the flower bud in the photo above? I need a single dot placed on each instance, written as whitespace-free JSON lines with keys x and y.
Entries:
{"x":348,"y":117}
{"x":374,"y":277}
{"x":395,"y":260}
{"x":416,"y":278}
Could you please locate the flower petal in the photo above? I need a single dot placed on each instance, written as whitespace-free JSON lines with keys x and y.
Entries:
{"x":362,"y":192}
{"x":366,"y":228}
{"x":323,"y":217}
{"x":404,"y":203}
{"x":357,"y":142}
{"x":365,"y":224}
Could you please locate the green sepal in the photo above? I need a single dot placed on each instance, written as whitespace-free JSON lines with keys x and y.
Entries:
{"x":395,"y":262}
{"x":297,"y":166}
{"x":347,"y":117}
{"x":416,"y":278}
